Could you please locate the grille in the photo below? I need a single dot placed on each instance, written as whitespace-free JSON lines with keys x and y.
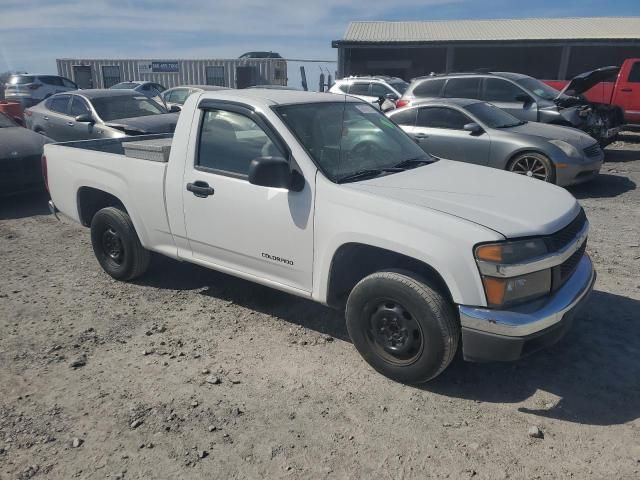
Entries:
{"x":592,"y":151}
{"x":568,"y":267}
{"x":563,"y":237}
{"x":19,"y":174}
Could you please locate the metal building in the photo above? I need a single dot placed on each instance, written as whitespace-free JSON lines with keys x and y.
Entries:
{"x":547,"y":48}
{"x":235,"y":73}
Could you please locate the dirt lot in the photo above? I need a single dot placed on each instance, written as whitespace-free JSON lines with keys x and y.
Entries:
{"x":192,"y":374}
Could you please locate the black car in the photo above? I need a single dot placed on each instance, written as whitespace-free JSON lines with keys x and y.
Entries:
{"x":260,"y":55}
{"x":526,"y":98}
{"x":20,"y":158}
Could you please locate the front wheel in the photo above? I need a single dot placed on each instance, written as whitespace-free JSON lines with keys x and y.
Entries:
{"x":117,"y":246}
{"x":533,"y":165}
{"x":402,"y":326}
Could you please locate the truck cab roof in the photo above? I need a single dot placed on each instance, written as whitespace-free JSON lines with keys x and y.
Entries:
{"x":275,"y":97}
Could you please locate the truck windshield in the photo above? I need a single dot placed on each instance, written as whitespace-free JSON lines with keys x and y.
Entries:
{"x":539,"y":88}
{"x":492,"y":116}
{"x":348,"y":138}
{"x":125,"y":106}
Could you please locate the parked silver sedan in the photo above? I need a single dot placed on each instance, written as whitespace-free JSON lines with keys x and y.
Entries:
{"x":176,"y":96}
{"x":479,"y":132}
{"x":89,"y":114}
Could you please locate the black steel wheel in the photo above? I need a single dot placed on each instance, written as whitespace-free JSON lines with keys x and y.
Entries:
{"x":116,"y":244}
{"x":402,"y":326}
{"x":533,"y":165}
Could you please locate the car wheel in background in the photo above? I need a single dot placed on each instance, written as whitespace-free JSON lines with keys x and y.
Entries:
{"x":116,"y":244}
{"x":534,"y":165}
{"x":402,"y":326}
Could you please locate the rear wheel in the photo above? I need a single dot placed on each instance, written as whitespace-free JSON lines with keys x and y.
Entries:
{"x":402,"y":326}
{"x":533,"y":165}
{"x":116,"y":244}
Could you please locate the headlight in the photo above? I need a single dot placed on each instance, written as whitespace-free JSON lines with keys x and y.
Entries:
{"x":502,"y":290}
{"x":567,"y":148}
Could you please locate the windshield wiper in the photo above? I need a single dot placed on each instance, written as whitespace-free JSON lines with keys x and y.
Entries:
{"x":370,"y":173}
{"x":414,"y":162}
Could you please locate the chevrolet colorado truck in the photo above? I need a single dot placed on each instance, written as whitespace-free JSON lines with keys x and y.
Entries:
{"x":618,"y":86}
{"x":324,"y":197}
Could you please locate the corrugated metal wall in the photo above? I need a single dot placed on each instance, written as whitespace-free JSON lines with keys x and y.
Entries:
{"x":191,"y":72}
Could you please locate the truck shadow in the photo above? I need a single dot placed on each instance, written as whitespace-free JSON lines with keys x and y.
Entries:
{"x":594,"y":370}
{"x":24,"y":205}
{"x":169,"y":274}
{"x":603,"y":186}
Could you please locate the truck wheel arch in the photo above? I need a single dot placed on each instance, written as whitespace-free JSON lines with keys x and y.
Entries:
{"x":352,"y":262}
{"x":90,"y":200}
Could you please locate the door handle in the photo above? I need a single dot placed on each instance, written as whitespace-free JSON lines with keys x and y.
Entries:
{"x":71,"y":124}
{"x":626,"y":90}
{"x":200,"y":189}
{"x":420,"y":136}
{"x":45,"y":117}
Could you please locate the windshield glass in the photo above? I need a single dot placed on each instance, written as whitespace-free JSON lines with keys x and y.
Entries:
{"x":125,"y":106}
{"x":539,"y":88}
{"x":492,"y":116}
{"x":401,"y":87}
{"x":125,"y":86}
{"x":349,"y":137}
{"x":6,"y":122}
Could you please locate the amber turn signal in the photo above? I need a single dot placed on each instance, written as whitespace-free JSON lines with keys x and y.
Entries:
{"x":495,"y":290}
{"x":489,"y":253}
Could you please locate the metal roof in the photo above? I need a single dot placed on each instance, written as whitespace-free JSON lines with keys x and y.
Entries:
{"x":585,"y":28}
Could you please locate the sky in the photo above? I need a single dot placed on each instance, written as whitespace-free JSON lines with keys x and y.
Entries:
{"x":33,"y":33}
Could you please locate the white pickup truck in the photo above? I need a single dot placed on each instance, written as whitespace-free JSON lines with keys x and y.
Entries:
{"x":323,"y":197}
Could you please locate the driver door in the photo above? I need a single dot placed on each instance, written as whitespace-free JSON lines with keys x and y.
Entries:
{"x":254,"y":230}
{"x":510,"y":98}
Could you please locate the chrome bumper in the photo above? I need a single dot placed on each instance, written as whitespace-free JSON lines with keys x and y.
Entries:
{"x":532,"y":318}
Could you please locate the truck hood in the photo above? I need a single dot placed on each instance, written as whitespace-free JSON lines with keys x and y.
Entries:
{"x":510,"y":204}
{"x":18,"y":142}
{"x":161,"y":123}
{"x":545,"y":131}
{"x":587,"y":80}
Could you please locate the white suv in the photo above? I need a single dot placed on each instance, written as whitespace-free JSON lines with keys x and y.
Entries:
{"x":370,"y":89}
{"x":31,"y":89}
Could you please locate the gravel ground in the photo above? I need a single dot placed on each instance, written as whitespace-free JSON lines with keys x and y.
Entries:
{"x":188,"y":373}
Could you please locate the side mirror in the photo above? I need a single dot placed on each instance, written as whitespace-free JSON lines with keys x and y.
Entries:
{"x":274,"y":172}
{"x":85,"y":118}
{"x":524,"y":98}
{"x":474,"y":128}
{"x":175,"y":108}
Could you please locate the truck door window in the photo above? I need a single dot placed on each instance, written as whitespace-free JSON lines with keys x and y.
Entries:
{"x":496,"y":90}
{"x":229,"y":141}
{"x":442,"y":117}
{"x":634,"y":74}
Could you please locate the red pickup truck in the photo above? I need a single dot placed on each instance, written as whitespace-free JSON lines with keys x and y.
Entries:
{"x":609,"y":85}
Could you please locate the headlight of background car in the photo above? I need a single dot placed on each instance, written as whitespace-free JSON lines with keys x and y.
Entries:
{"x":508,"y":291}
{"x":567,"y":148}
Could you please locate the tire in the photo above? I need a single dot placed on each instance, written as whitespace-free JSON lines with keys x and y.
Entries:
{"x":519,"y":162}
{"x":116,"y":244}
{"x":402,"y":326}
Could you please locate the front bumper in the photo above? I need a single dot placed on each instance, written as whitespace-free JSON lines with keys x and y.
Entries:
{"x":499,"y":335}
{"x":575,"y":173}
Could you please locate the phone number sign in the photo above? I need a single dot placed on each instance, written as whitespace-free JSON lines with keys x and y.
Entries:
{"x":158,"y":67}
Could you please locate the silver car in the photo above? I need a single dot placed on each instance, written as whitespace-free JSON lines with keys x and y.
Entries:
{"x":479,"y":132}
{"x":30,"y":89}
{"x":176,"y":96}
{"x":100,"y":113}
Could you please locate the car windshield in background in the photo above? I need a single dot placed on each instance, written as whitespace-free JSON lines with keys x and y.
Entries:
{"x":492,"y":116}
{"x":401,"y":87}
{"x":21,"y":79}
{"x":125,"y":106}
{"x":348,"y":138}
{"x":125,"y":86}
{"x":541,"y":89}
{"x":6,"y":122}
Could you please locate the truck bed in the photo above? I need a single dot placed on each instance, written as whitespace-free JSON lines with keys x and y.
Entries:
{"x":117,"y":145}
